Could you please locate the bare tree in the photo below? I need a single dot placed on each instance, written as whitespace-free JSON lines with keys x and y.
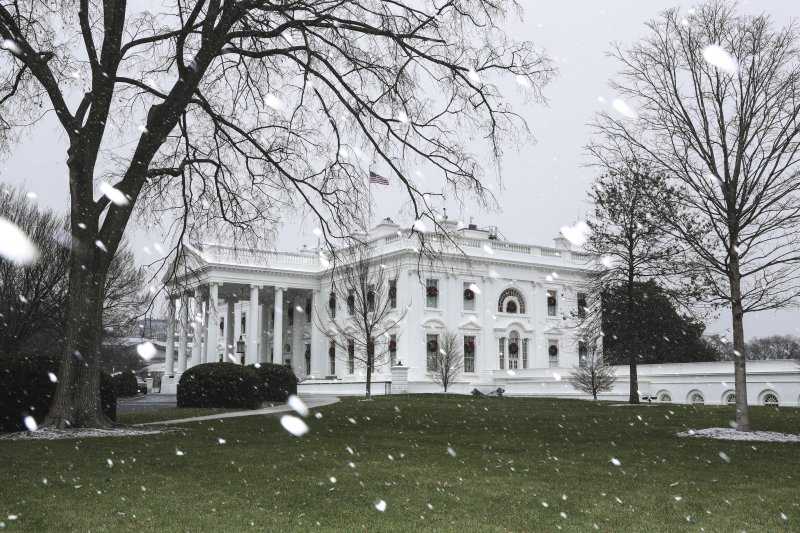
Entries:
{"x":362,"y":326}
{"x":232,"y":112}
{"x":593,"y":376}
{"x":714,"y":107}
{"x":774,"y":347}
{"x":632,"y":247}
{"x":33,"y":297}
{"x":447,"y":361}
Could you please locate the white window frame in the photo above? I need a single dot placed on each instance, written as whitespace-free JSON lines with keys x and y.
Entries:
{"x":431,"y":299}
{"x":469,"y":305}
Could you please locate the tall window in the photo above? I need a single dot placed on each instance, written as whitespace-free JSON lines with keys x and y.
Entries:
{"x":431,"y":347}
{"x":513,"y":351}
{"x":393,"y":349}
{"x":583,"y":354}
{"x":581,"y":305}
{"x":469,"y":353}
{"x":552,"y":302}
{"x":552,"y":352}
{"x":370,"y":298}
{"x":524,"y":353}
{"x":393,"y":293}
{"x":501,"y":350}
{"x":351,"y":356}
{"x":432,"y":293}
{"x":332,"y":304}
{"x":351,"y":301}
{"x":469,"y":296}
{"x":332,"y":358}
{"x":511,"y":301}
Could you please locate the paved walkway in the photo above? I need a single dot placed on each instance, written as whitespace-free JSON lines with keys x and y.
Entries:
{"x":310,"y":400}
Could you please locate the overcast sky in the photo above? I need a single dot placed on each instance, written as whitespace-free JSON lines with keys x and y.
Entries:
{"x":544,"y":186}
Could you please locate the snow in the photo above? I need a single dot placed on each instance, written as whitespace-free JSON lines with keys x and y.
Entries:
{"x":294,"y":425}
{"x":733,"y":434}
{"x":719,"y":57}
{"x":79,"y":433}
{"x":578,"y":234}
{"x":621,"y":107}
{"x":115,"y":195}
{"x":15,"y":246}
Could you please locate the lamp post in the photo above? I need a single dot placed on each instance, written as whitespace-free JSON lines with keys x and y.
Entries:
{"x":240,"y":349}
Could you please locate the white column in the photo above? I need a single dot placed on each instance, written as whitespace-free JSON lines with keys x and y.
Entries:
{"x":230,"y":341}
{"x":212,"y":334}
{"x":263,"y":355}
{"x":251,"y":356}
{"x":206,"y":322}
{"x":298,"y":349}
{"x":197,"y":321}
{"x":169,"y":346}
{"x":316,"y":362}
{"x":277,"y":328}
{"x":183,"y":340}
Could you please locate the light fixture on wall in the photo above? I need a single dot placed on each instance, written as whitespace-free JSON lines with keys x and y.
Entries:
{"x":240,"y":342}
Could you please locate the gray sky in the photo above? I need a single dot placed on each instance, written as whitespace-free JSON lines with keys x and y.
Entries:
{"x":544,"y":186}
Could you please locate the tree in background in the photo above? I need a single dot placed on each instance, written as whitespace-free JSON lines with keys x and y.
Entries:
{"x":659,"y":334}
{"x":33,"y":297}
{"x":447,"y":362}
{"x":632,"y":248}
{"x":594,"y":375}
{"x":361,"y":313}
{"x":219,"y":117}
{"x":774,"y":347}
{"x":711,"y":102}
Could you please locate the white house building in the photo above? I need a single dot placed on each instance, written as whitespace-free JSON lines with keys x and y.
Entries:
{"x":512,"y":305}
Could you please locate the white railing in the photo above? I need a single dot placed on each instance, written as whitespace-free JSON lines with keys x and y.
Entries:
{"x":228,"y":254}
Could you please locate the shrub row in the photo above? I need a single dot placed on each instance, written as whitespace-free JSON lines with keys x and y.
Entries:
{"x":27,"y":390}
{"x":126,"y":384}
{"x":232,"y":385}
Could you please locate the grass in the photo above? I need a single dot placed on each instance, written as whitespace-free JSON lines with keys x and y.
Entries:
{"x":516,"y":465}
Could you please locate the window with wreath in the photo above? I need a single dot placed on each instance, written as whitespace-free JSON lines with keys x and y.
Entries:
{"x":469,"y":353}
{"x":583,"y":354}
{"x":431,"y":348}
{"x":552,"y":302}
{"x":770,"y":400}
{"x":351,"y":356}
{"x":393,"y":349}
{"x":697,"y":399}
{"x":581,"y":305}
{"x":469,"y":296}
{"x":432,"y":293}
{"x":501,"y":351}
{"x":332,"y":358}
{"x":332,"y":304}
{"x":552,"y":352}
{"x":525,"y":353}
{"x":513,"y":351}
{"x":393,"y":294}
{"x":511,"y":301}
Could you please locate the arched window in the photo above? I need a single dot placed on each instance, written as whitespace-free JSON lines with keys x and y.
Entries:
{"x":770,"y":400}
{"x":511,"y":301}
{"x":697,"y":399}
{"x":730,"y":399}
{"x":665,"y":397}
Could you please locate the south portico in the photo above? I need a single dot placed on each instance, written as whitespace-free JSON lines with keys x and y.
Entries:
{"x":226,"y":310}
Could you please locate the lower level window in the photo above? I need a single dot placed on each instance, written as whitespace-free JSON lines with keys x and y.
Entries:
{"x":730,"y":399}
{"x":770,"y":399}
{"x":697,"y":399}
{"x":665,"y":397}
{"x":469,"y":353}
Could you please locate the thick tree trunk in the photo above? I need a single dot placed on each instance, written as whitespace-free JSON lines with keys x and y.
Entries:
{"x":633,"y":395}
{"x":77,"y":398}
{"x":739,"y":359}
{"x":369,"y":376}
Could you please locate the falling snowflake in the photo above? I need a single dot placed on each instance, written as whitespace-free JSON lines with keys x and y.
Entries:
{"x":272,"y":101}
{"x":100,"y":245}
{"x":615,"y":462}
{"x":577,"y":234}
{"x":718,"y":57}
{"x":472,"y":75}
{"x":621,"y":107}
{"x":179,"y":453}
{"x":724,"y":457}
{"x":221,"y":441}
{"x":451,"y":451}
{"x":294,"y":425}
{"x":146,"y":350}
{"x":15,"y":246}
{"x":115,"y":195}
{"x":523,"y":81}
{"x":30,"y":423}
{"x":402,"y":117}
{"x":380,"y":505}
{"x":11,"y":46}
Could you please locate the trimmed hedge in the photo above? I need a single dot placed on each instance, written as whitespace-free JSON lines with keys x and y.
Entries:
{"x":219,"y":385}
{"x":126,"y":384}
{"x":278,"y":382}
{"x":26,"y":389}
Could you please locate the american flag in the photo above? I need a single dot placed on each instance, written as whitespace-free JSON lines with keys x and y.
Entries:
{"x":375,"y":178}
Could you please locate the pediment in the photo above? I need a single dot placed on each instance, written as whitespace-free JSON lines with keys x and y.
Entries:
{"x":434,"y":323}
{"x":470,"y":325}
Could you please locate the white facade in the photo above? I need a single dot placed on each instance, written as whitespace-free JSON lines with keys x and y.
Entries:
{"x":518,"y":319}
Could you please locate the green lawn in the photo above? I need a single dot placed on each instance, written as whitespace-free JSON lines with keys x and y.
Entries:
{"x":516,"y":465}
